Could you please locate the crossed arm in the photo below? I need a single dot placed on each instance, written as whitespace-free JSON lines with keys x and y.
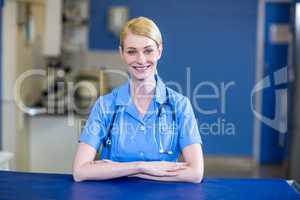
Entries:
{"x":191,"y":170}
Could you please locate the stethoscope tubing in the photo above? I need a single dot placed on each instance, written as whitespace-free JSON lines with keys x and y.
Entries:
{"x":168,"y":150}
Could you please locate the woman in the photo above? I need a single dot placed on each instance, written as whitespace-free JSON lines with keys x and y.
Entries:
{"x":143,"y":126}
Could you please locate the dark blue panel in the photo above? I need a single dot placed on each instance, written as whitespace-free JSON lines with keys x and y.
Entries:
{"x":275,"y":57}
{"x":217,"y":41}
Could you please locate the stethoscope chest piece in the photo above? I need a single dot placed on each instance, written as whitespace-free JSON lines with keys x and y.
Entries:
{"x":108,"y":142}
{"x":169,"y":152}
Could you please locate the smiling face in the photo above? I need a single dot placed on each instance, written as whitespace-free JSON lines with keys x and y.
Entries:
{"x":141,"y":54}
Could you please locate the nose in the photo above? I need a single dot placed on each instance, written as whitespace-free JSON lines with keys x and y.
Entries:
{"x":141,"y":58}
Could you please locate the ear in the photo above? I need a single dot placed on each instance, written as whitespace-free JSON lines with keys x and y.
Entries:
{"x":160,"y":49}
{"x":121,"y":52}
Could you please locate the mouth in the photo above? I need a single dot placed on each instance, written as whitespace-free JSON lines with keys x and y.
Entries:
{"x":141,"y":68}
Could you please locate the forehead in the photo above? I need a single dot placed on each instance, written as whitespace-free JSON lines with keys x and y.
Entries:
{"x":137,"y":41}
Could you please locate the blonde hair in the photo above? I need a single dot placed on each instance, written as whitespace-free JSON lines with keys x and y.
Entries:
{"x":141,"y":26}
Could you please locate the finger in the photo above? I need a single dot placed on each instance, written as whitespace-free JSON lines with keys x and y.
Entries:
{"x":177,"y":168}
{"x":108,"y":161}
{"x":182,"y":164}
{"x":177,"y":164}
{"x":182,"y":167}
{"x":169,"y":173}
{"x":93,"y":161}
{"x":100,"y":161}
{"x":163,"y":173}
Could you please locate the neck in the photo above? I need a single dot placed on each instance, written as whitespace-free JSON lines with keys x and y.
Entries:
{"x":143,"y":88}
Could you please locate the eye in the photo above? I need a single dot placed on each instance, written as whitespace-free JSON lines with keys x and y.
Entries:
{"x":131,"y":52}
{"x":148,"y":51}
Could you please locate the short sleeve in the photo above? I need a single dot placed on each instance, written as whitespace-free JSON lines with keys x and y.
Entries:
{"x":188,"y":126}
{"x":95,"y":131}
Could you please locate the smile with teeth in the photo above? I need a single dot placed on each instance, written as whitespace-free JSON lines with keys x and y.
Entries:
{"x":141,"y":68}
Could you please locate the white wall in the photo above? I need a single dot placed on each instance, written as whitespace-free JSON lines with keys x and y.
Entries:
{"x":18,"y":57}
{"x":8,"y":77}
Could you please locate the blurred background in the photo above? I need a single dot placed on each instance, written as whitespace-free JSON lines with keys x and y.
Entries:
{"x":237,"y":61}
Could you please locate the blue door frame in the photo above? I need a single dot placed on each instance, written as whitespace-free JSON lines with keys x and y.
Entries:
{"x":271,"y":143}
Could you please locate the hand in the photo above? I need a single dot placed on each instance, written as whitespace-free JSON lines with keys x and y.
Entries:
{"x":101,"y":161}
{"x":162,"y":168}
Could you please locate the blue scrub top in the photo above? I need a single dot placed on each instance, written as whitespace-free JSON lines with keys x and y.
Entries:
{"x":141,"y":139}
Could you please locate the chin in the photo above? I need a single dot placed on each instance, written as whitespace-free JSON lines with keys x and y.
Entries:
{"x":142,"y":77}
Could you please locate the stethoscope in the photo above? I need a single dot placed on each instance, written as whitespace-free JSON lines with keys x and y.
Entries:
{"x":167,"y":150}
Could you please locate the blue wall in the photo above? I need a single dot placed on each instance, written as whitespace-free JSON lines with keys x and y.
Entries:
{"x":217,"y":40}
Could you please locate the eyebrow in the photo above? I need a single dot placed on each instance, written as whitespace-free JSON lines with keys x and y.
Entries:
{"x":148,"y":46}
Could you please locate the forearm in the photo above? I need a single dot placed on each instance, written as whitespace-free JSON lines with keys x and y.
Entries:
{"x":105,"y":170}
{"x":186,"y":175}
